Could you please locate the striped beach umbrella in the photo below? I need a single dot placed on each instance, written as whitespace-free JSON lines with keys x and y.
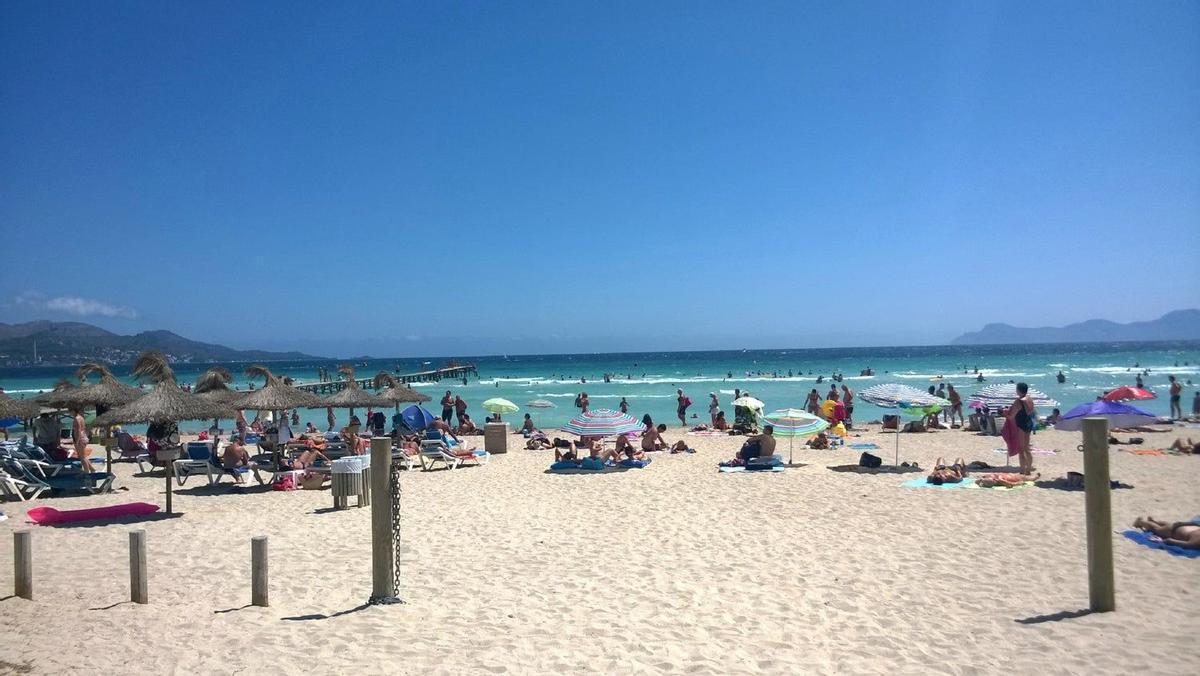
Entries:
{"x":792,"y":423}
{"x":905,"y":398}
{"x":602,"y":423}
{"x":540,"y":403}
{"x":1001,"y":395}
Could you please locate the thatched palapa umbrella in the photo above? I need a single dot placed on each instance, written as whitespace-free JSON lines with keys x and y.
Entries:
{"x":107,"y":393}
{"x":213,"y":385}
{"x":166,"y":403}
{"x":23,"y":409}
{"x":353,"y":396}
{"x":397,"y":393}
{"x":275,"y":395}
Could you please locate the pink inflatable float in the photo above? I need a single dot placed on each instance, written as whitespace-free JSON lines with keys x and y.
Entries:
{"x":48,"y":516}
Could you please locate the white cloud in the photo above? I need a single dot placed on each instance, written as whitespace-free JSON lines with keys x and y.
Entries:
{"x":74,"y":305}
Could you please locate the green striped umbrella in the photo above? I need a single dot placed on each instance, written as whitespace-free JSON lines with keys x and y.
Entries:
{"x":794,"y":422}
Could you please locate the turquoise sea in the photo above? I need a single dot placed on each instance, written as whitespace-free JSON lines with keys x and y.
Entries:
{"x":778,"y":377}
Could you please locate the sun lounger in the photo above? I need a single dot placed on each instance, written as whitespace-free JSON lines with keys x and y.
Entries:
{"x":129,"y":450}
{"x":434,"y":451}
{"x":20,"y":489}
{"x":95,"y":482}
{"x":198,"y":459}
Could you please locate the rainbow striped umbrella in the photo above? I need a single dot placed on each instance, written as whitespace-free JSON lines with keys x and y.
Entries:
{"x":602,"y":423}
{"x":794,"y":422}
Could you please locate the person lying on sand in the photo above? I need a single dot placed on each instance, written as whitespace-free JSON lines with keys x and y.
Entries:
{"x":952,"y":474}
{"x":1189,"y":447}
{"x":1185,"y":534}
{"x":680,"y":447}
{"x":914,"y":426}
{"x":819,"y":442}
{"x":539,"y":442}
{"x":1005,"y":480}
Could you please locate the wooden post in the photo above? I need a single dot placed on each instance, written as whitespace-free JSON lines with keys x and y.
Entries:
{"x":258,"y":571}
{"x":1098,"y":501}
{"x":138,"y":586}
{"x":381,"y":519}
{"x":23,"y":564}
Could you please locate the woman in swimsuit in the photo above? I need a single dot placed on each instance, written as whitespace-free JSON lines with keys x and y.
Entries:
{"x":948,"y":475}
{"x":1025,"y":416}
{"x":1005,"y":480}
{"x":1185,"y":534}
{"x":79,"y":436}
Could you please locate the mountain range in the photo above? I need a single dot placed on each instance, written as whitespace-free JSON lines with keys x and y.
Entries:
{"x":77,"y":342}
{"x":1177,"y":325}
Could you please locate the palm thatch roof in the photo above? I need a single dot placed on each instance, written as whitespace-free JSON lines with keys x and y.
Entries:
{"x":166,"y":402}
{"x":213,"y":385}
{"x":275,"y":395}
{"x":397,"y":393}
{"x":353,"y":396}
{"x":18,"y":408}
{"x":108,"y":392}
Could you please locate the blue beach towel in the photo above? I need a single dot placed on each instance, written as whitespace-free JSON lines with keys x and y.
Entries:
{"x":968,"y":482}
{"x":1152,"y":541}
{"x":863,"y":447}
{"x":742,"y":468}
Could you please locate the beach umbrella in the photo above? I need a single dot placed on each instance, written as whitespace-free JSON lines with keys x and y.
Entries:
{"x":107,"y":393}
{"x":21,"y":409}
{"x":903,"y":398}
{"x":275,"y":395}
{"x":397,"y":393}
{"x":539,"y":403}
{"x":749,"y":402}
{"x":1118,"y":415}
{"x":1001,"y":395}
{"x":353,"y":396}
{"x":500,"y":406}
{"x":792,"y":423}
{"x":213,"y":385}
{"x":1126,"y":393}
{"x":602,"y":422}
{"x":166,"y":402}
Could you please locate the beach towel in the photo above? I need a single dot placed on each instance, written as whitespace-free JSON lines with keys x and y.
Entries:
{"x":1009,"y":434}
{"x":1032,"y":451}
{"x":924,"y":483}
{"x":709,"y":433}
{"x":1025,"y":484}
{"x":863,"y":447}
{"x":1154,"y":542}
{"x":742,"y":468}
{"x":1145,"y":451}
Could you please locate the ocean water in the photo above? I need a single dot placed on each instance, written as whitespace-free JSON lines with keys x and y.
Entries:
{"x":780,"y":378}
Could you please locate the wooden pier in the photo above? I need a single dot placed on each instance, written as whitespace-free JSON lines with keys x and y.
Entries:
{"x":436,"y":375}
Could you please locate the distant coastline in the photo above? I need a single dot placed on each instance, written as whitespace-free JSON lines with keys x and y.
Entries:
{"x":1177,"y":325}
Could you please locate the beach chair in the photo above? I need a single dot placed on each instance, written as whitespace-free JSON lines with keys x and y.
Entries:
{"x":198,"y":460}
{"x":434,"y":451}
{"x":129,"y":450}
{"x":78,"y":482}
{"x":20,"y":489}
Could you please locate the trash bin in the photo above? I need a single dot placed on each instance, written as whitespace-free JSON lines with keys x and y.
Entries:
{"x":495,"y":437}
{"x":351,"y":477}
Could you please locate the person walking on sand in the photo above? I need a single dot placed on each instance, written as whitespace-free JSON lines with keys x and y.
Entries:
{"x":848,"y":402}
{"x":684,"y":403}
{"x":955,"y":405}
{"x":240,"y":424}
{"x":1176,"y":395}
{"x":447,"y":406}
{"x":460,"y":409}
{"x":714,"y":407}
{"x":1024,"y":416}
{"x":79,"y":436}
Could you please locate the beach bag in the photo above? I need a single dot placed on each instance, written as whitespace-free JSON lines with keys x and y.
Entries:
{"x":687,"y":401}
{"x":868,"y":460}
{"x":285,"y":482}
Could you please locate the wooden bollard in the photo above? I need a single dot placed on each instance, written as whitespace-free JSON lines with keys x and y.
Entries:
{"x":138,"y":585}
{"x":258,"y":571}
{"x":381,"y":519}
{"x":23,"y":564}
{"x":1102,"y":593}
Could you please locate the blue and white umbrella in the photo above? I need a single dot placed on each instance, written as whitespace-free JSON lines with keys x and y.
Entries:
{"x":1117,"y":415}
{"x":1001,"y":395}
{"x":905,"y":398}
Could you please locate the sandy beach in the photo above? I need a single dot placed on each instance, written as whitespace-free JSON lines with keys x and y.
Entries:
{"x":672,"y":569}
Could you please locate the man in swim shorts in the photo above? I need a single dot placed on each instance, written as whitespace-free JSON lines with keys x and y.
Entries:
{"x":759,"y":445}
{"x":1176,"y":393}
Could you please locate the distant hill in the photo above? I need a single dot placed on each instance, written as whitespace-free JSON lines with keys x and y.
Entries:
{"x":1177,"y":325}
{"x":76,"y":343}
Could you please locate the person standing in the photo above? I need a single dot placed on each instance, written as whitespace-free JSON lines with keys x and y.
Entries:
{"x":1176,"y":395}
{"x":460,"y":409}
{"x":1023,"y":414}
{"x":330,"y":418}
{"x":447,"y":406}
{"x":955,"y":405}
{"x":814,"y":402}
{"x":848,"y":401}
{"x":684,"y":403}
{"x":584,"y":402}
{"x":240,"y":424}
{"x":79,"y":436}
{"x":1196,"y":405}
{"x":714,"y":407}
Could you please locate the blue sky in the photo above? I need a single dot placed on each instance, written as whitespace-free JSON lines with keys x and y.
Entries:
{"x":596,"y":176}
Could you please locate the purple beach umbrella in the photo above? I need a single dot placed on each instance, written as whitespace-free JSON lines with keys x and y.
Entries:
{"x":1118,"y":415}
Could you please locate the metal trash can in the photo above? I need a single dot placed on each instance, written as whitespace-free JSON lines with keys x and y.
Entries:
{"x":495,"y":437}
{"x":351,"y":477}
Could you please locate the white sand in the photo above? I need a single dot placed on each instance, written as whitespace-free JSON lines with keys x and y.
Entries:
{"x":675,"y":568}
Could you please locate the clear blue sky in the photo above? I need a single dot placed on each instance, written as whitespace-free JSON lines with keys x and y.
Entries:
{"x":596,"y":176}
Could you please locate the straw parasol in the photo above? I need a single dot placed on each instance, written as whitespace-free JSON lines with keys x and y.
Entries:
{"x":353,"y":396}
{"x":275,"y":395}
{"x":22,"y":409}
{"x":213,"y":385}
{"x":166,"y":402}
{"x":397,"y":393}
{"x":107,"y":393}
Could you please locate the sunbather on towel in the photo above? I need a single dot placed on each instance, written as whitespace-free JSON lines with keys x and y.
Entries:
{"x":1005,"y":480}
{"x":1189,"y":447}
{"x":1185,"y":534}
{"x":952,"y":474}
{"x":720,"y":423}
{"x":759,"y":445}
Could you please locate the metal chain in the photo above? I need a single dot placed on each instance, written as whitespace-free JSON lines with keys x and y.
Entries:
{"x":394,"y":495}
